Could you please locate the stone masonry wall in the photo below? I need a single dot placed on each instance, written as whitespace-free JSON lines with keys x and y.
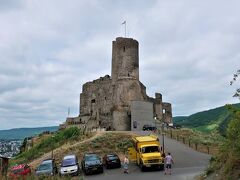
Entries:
{"x":96,"y":97}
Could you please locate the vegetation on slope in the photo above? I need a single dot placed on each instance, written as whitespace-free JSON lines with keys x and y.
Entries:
{"x":72,"y":141}
{"x":46,"y":144}
{"x":226,"y":165}
{"x":207,"y":121}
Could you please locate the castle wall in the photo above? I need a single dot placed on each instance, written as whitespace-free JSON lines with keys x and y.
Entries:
{"x":167,"y":112}
{"x":96,"y":97}
{"x":141,"y":114}
{"x":121,"y":119}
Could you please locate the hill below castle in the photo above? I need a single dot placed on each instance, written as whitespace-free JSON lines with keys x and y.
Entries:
{"x":206,"y":121}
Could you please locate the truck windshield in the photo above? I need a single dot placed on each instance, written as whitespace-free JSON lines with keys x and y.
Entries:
{"x":150,"y":149}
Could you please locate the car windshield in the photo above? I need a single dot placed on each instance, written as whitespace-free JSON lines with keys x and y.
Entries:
{"x":150,"y":149}
{"x":112,"y":157}
{"x":45,"y":166}
{"x":15,"y":171}
{"x":68,"y":162}
{"x":92,"y":158}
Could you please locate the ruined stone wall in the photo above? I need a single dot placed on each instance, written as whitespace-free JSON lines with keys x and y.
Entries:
{"x":167,"y":112}
{"x":158,"y":108}
{"x":96,"y":97}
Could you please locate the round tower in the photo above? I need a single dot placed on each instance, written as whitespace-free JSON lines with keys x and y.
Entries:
{"x":125,"y":61}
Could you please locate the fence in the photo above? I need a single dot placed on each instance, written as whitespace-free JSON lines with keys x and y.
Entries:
{"x":209,"y":148}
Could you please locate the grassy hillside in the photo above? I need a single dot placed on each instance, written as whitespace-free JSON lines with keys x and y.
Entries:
{"x":21,"y":133}
{"x":206,"y":121}
{"x":72,"y":140}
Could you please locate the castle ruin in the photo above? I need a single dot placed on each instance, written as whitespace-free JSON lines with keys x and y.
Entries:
{"x":119,"y":101}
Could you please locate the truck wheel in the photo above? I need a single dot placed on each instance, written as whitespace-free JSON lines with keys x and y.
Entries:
{"x":141,"y":166}
{"x":161,"y":167}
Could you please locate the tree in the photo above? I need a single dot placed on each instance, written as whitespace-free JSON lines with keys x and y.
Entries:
{"x":235,"y":76}
{"x":231,"y":152}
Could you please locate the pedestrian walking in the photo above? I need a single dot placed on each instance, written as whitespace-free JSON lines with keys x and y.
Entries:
{"x":125,"y":165}
{"x":168,"y":164}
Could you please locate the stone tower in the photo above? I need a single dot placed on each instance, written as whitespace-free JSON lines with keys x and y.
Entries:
{"x":125,"y":61}
{"x":125,"y":80}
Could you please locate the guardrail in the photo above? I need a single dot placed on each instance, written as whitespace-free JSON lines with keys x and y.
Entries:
{"x":192,"y":143}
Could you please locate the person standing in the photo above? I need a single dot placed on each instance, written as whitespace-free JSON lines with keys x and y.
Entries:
{"x":168,"y":162}
{"x":125,"y":164}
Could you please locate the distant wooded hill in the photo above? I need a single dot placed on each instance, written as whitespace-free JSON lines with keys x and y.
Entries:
{"x":206,"y":121}
{"x":21,"y":133}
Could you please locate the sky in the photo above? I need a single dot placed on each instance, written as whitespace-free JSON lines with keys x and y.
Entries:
{"x":188,"y":51}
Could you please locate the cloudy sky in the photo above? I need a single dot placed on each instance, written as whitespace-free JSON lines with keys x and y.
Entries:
{"x":48,"y":49}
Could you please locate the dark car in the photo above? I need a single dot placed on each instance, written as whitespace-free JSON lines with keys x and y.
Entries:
{"x":111,"y":161}
{"x":149,"y":128}
{"x":47,"y":168}
{"x":91,"y":163}
{"x":20,"y":171}
{"x":70,"y":165}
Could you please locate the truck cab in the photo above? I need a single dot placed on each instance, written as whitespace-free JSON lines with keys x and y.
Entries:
{"x":146,"y":152}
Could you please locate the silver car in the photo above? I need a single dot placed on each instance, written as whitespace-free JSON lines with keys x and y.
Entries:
{"x":69,"y":166}
{"x":47,"y":168}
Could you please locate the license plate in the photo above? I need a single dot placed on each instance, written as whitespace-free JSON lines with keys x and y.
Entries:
{"x":148,"y":165}
{"x":94,"y":169}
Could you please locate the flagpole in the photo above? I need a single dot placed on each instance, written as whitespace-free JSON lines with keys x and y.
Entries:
{"x":68,"y":111}
{"x":125,"y":28}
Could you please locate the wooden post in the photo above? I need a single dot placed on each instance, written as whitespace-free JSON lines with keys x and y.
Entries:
{"x":196,"y":146}
{"x":189,"y":143}
{"x":183,"y":140}
{"x":171,"y":133}
{"x":208,"y":149}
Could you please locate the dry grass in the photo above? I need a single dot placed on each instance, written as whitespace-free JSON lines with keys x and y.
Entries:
{"x":206,"y":143}
{"x":100,"y":143}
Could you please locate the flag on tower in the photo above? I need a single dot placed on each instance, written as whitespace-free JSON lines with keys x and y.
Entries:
{"x":124,"y":22}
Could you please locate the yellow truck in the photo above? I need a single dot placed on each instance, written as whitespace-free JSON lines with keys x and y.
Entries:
{"x":146,"y":152}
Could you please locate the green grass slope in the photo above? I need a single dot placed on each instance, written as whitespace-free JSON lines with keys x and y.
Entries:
{"x":206,"y":121}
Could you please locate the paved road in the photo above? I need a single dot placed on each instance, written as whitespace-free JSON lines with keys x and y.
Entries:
{"x":188,"y":164}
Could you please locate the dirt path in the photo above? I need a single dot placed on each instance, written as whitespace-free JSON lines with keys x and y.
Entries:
{"x":66,"y":146}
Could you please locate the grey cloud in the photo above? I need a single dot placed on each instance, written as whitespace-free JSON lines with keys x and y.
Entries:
{"x":48,"y":49}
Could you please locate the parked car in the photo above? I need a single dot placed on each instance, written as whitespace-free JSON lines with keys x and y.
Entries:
{"x":70,"y":165}
{"x":147,"y":127}
{"x":91,"y":163}
{"x":47,"y":168}
{"x":111,"y":161}
{"x":20,"y":171}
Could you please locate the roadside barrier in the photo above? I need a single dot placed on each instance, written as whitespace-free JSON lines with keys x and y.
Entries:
{"x":197,"y":145}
